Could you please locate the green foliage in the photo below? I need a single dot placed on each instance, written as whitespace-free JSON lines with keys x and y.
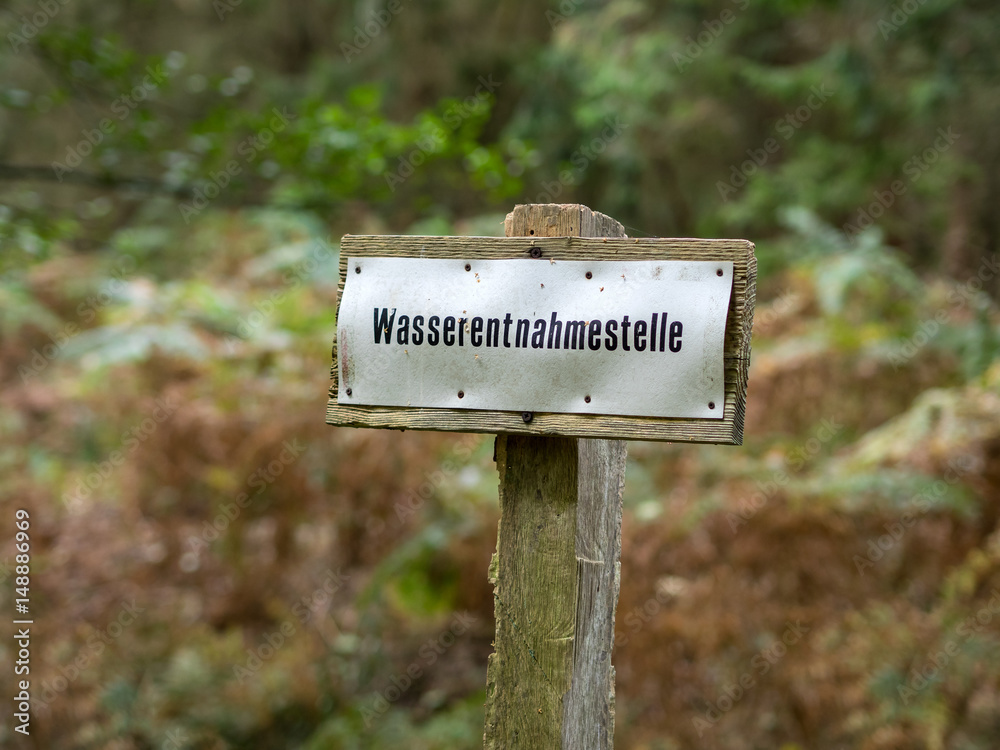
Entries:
{"x":457,"y":728}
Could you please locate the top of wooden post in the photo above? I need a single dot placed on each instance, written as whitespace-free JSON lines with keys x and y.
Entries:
{"x":560,"y":220}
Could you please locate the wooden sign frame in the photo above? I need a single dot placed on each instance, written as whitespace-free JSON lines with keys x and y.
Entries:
{"x":736,"y":355}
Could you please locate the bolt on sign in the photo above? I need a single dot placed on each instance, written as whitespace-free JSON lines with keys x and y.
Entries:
{"x":614,"y":338}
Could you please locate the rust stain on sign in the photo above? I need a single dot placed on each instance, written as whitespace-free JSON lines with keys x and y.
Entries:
{"x":345,"y":360}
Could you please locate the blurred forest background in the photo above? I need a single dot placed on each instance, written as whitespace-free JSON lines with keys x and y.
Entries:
{"x":214,"y":567}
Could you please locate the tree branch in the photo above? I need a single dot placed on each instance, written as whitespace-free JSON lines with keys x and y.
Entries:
{"x":109,"y":181}
{"x":15,"y":172}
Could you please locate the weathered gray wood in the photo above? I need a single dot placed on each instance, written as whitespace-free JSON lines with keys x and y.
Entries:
{"x":545,"y":220}
{"x":535,"y":583}
{"x":560,"y":220}
{"x":550,"y":683}
{"x":589,"y":710}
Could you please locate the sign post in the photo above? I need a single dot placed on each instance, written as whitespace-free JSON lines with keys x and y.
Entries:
{"x":565,"y":339}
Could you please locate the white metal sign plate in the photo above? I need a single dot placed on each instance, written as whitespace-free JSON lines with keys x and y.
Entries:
{"x":640,"y":338}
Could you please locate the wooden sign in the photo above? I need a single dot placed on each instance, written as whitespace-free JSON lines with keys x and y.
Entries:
{"x":565,"y":338}
{"x":644,"y":339}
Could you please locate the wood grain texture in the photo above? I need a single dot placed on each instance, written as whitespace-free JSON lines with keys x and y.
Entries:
{"x":535,"y":584}
{"x":556,"y":573}
{"x":736,"y":354}
{"x":550,"y":683}
{"x":589,"y":708}
{"x":559,"y":220}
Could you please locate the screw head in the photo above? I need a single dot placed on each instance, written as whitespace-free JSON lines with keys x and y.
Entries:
{"x":535,"y":252}
{"x":590,"y":275}
{"x":461,"y":394}
{"x":357,"y":269}
{"x":348,"y":391}
{"x":718,"y":272}
{"x":586,"y":399}
{"x":527,"y":416}
{"x":468,"y":266}
{"x":711,"y":404}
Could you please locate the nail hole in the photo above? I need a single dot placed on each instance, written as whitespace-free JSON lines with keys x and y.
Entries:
{"x":348,"y":391}
{"x":461,"y":394}
{"x":586,"y":399}
{"x":531,"y":231}
{"x":718,"y":272}
{"x":357,"y":269}
{"x":527,"y":416}
{"x":590,"y":275}
{"x":711,"y":404}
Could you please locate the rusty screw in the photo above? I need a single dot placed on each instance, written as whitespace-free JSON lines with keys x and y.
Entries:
{"x":527,"y":416}
{"x":535,"y":252}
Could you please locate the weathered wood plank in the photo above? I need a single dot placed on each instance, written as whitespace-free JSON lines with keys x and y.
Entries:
{"x":534,"y":594}
{"x":550,"y":683}
{"x":560,"y":220}
{"x":544,"y":220}
{"x":589,"y":709}
{"x":570,"y":425}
